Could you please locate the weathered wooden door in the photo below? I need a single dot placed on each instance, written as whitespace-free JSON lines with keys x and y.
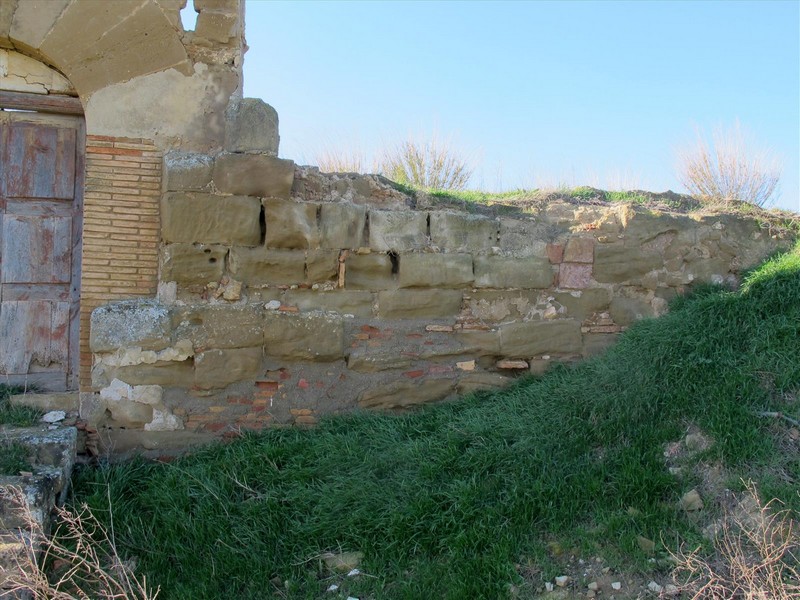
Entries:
{"x":41,"y":199}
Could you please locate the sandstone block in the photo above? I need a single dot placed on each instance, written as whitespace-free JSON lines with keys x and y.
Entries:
{"x":187,"y":171}
{"x":502,"y":305}
{"x":311,"y":336}
{"x":216,"y":369}
{"x":435,"y":270}
{"x":127,"y":323}
{"x":523,"y":237}
{"x":219,"y":326}
{"x":342,"y":225}
{"x":367,"y":360}
{"x":369,"y":272}
{"x":251,"y":126}
{"x":574,"y":276}
{"x":290,"y":224}
{"x":192,"y":264}
{"x":478,"y":381}
{"x":419,"y":304}
{"x":479,"y":342}
{"x":259,"y":266}
{"x":405,"y":394}
{"x":397,"y":231}
{"x":253,"y":175}
{"x":583,"y":303}
{"x":503,"y":272}
{"x":221,"y":28}
{"x":625,"y":311}
{"x":166,"y":374}
{"x":321,"y":265}
{"x":579,"y":250}
{"x":618,"y":263}
{"x":458,"y":232}
{"x":358,"y":303}
{"x":211,"y":219}
{"x":528,"y":339}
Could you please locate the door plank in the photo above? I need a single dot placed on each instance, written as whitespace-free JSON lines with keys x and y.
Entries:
{"x":40,"y":162}
{"x":32,"y":332}
{"x":32,"y":291}
{"x":36,"y":249}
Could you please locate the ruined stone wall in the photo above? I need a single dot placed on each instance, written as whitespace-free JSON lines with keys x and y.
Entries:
{"x":286,"y":294}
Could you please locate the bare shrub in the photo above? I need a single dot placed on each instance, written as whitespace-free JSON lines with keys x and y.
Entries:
{"x":432,"y":164}
{"x":80,"y":559}
{"x":757,"y":556}
{"x":731,"y":168}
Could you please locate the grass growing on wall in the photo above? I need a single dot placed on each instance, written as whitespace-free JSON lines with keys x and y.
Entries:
{"x":446,"y":502}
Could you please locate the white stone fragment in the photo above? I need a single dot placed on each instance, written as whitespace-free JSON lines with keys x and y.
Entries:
{"x":273,"y":305}
{"x":163,"y":421}
{"x":54,"y":416}
{"x":562,"y":580}
{"x":353,"y":573}
{"x":332,"y":588}
{"x":616,"y":585}
{"x":548,"y":586}
{"x":654,"y":587}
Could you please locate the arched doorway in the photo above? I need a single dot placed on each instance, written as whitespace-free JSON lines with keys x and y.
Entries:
{"x":41,"y":203}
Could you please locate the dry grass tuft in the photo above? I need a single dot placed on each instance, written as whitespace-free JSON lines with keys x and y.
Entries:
{"x":730,"y":169}
{"x":757,"y":556}
{"x":432,"y":164}
{"x":80,"y":559}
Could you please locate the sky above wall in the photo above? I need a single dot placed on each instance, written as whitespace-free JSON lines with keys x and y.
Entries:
{"x":538,"y":94}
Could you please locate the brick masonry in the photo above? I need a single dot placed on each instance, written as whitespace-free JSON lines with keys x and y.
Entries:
{"x":121,"y":228}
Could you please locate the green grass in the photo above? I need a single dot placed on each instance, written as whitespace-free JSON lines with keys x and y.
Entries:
{"x":13,"y":458}
{"x":17,"y":416}
{"x":446,"y":501}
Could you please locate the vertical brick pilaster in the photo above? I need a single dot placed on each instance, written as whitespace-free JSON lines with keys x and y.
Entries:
{"x":121,"y":228}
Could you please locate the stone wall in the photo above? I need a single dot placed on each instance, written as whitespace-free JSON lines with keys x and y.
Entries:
{"x":286,"y":294}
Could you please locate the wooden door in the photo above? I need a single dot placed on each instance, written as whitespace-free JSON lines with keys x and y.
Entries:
{"x":41,"y":199}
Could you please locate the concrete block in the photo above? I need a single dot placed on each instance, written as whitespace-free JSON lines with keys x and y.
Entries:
{"x":259,"y":266}
{"x":290,"y":224}
{"x":251,"y":126}
{"x":216,"y":369}
{"x":397,"y":231}
{"x":311,"y":336}
{"x":435,"y":270}
{"x":369,"y":272}
{"x":342,"y":225}
{"x":192,"y":264}
{"x":504,"y":272}
{"x":187,"y":171}
{"x":211,"y":219}
{"x":128,"y":323}
{"x":419,"y":304}
{"x":253,"y":175}
{"x":457,"y":232}
{"x":532,"y":338}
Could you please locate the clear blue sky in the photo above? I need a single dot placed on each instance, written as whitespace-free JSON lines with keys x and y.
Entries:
{"x":540,"y":93}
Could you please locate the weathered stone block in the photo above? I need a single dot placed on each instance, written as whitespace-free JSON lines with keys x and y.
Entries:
{"x":618,"y":263}
{"x":597,"y":343}
{"x":221,"y":28}
{"x":405,"y":394}
{"x":419,"y":304}
{"x":187,"y":171}
{"x":192,"y":264}
{"x":479,"y":342}
{"x":579,"y":250}
{"x":582,"y":304}
{"x":127,"y":323}
{"x":167,"y":374}
{"x":211,"y":219}
{"x":253,"y":175}
{"x":574,"y":276}
{"x":522,"y":237}
{"x":528,"y":339}
{"x":479,"y":381}
{"x":342,"y":301}
{"x":291,"y":224}
{"x":216,"y":369}
{"x":259,"y":266}
{"x":457,"y":232}
{"x":321,"y":265}
{"x":219,"y":326}
{"x":367,"y":360}
{"x":503,"y":272}
{"x":312,"y":336}
{"x":435,"y":270}
{"x":397,"y":231}
{"x":625,"y":311}
{"x":369,"y":272}
{"x":503,"y":305}
{"x":251,"y":125}
{"x":342,"y":225}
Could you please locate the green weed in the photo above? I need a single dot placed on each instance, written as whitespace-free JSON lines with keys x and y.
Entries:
{"x":18,"y":416}
{"x":13,"y":458}
{"x":448,"y":501}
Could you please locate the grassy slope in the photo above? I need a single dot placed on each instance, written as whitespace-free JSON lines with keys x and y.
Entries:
{"x":444,"y":501}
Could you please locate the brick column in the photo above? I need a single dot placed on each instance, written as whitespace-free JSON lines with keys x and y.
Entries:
{"x":121,"y":228}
